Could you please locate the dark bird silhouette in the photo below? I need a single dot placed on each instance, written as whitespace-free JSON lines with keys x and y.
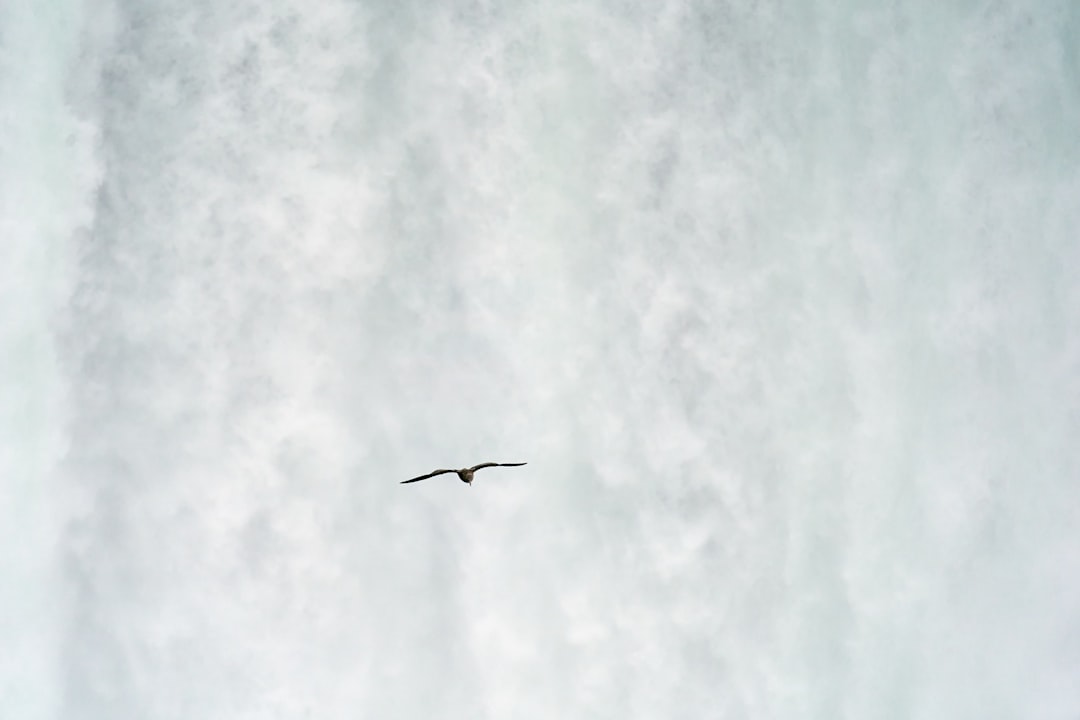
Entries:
{"x":465,"y":474}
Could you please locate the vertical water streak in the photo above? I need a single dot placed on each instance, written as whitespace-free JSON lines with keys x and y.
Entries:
{"x":47,"y":177}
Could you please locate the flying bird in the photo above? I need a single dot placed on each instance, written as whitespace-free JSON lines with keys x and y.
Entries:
{"x":465,"y":474}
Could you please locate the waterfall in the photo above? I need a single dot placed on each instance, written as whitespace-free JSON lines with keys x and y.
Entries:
{"x":777,"y":300}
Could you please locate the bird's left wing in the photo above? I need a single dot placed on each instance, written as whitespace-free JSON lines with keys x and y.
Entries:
{"x":425,"y":477}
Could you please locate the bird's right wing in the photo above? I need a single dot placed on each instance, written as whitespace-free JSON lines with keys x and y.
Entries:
{"x":425,"y":477}
{"x":474,"y":468}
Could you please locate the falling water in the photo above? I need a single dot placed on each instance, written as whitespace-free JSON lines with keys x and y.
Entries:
{"x":778,"y":301}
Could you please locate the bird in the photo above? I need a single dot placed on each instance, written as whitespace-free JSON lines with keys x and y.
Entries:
{"x":465,"y":474}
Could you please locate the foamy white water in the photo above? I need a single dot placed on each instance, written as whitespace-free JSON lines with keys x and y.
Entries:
{"x":779,"y":304}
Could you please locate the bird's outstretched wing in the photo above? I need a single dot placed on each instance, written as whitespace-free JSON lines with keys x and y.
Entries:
{"x":425,"y":477}
{"x":474,"y":468}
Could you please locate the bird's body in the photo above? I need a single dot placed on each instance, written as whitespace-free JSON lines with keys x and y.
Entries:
{"x":464,"y":474}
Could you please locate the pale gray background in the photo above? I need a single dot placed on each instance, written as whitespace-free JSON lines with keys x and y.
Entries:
{"x":779,"y":300}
